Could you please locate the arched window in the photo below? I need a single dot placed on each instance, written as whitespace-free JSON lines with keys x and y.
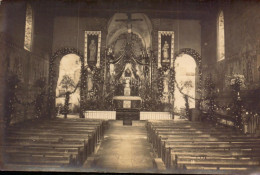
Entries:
{"x":220,"y":37}
{"x":28,"y":28}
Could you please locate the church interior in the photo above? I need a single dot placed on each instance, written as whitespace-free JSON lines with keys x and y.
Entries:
{"x":139,"y":86}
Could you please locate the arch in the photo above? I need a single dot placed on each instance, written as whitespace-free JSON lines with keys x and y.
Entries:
{"x":196,"y":56}
{"x":191,"y":52}
{"x":143,"y":29}
{"x":185,"y":68}
{"x":53,"y":77}
{"x":122,"y":31}
{"x":123,"y":37}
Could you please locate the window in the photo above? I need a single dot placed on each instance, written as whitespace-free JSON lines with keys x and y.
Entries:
{"x":28,"y":28}
{"x":220,"y":37}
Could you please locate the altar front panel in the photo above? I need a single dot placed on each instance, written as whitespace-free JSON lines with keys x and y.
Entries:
{"x":127,"y":114}
{"x":127,"y":104}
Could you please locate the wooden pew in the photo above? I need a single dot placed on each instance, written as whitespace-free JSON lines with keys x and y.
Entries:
{"x":193,"y":146}
{"x":58,"y":142}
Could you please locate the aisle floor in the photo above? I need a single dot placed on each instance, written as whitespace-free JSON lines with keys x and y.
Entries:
{"x":124,"y":149}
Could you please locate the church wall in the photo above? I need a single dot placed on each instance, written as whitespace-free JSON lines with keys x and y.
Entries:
{"x":69,"y":32}
{"x":187,"y":33}
{"x":28,"y":66}
{"x":242,"y":23}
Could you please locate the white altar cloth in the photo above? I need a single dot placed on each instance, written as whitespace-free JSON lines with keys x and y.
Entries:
{"x":128,"y":98}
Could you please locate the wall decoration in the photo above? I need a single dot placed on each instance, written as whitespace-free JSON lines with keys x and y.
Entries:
{"x":92,"y":48}
{"x":165,"y":48}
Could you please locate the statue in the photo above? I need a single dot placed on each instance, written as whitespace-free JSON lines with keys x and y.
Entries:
{"x":92,"y":51}
{"x":165,"y":52}
{"x":90,"y":80}
{"x":165,"y":86}
{"x":127,"y":73}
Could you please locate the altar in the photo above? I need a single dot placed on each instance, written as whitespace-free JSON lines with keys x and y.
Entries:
{"x":127,"y":102}
{"x":127,"y":107}
{"x":133,"y":78}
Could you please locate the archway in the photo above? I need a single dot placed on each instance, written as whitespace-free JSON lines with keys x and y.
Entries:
{"x":185,"y":68}
{"x":198,"y":74}
{"x":142,"y":28}
{"x":68,"y":81}
{"x":54,"y":75}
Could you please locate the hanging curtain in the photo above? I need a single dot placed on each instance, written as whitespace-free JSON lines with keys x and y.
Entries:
{"x":119,"y":69}
{"x":117,"y":59}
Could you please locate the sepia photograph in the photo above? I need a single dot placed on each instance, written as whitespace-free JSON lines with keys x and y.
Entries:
{"x":130,"y":86}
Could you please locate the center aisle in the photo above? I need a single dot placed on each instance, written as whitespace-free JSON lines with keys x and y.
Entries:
{"x":124,"y":149}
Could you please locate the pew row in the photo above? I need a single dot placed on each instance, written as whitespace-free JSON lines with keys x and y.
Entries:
{"x":185,"y":145}
{"x":52,"y":143}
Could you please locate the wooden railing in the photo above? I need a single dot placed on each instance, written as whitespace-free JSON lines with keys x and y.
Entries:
{"x":250,"y":127}
{"x":105,"y":115}
{"x":155,"y":116}
{"x":253,"y":124}
{"x":221,"y":119}
{"x":111,"y":115}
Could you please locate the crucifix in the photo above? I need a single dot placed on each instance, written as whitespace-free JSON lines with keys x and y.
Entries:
{"x":129,"y":21}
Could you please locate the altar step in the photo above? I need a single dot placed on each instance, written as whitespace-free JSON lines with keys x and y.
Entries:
{"x":111,"y":115}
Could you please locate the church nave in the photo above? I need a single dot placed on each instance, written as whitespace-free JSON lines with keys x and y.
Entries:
{"x":130,"y":86}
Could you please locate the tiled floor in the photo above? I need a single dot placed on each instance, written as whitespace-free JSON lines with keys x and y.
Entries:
{"x":124,"y":149}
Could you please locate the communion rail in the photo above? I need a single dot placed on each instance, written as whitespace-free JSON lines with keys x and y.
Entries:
{"x":254,"y":124}
{"x":111,"y":115}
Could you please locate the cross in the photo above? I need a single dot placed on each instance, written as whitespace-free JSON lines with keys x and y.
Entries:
{"x":128,"y":20}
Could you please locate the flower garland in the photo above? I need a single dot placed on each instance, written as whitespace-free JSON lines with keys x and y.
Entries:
{"x":12,"y":82}
{"x":236,"y":82}
{"x":209,"y":88}
{"x":51,"y":98}
{"x":160,"y":81}
{"x":198,"y":61}
{"x":187,"y":107}
{"x":172,"y":80}
{"x":97,"y":82}
{"x":241,"y":115}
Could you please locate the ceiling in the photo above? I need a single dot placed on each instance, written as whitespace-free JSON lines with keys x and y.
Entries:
{"x":181,"y":9}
